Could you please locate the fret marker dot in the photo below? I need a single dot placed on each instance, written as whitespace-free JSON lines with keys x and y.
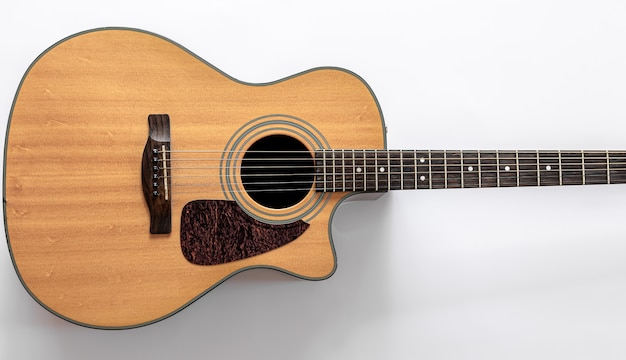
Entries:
{"x":548,"y":167}
{"x":422,"y":160}
{"x":382,"y":169}
{"x":470,"y":168}
{"x":358,"y":170}
{"x":507,"y":168}
{"x":422,"y":178}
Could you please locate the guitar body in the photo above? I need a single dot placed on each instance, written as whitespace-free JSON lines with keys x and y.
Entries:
{"x":77,"y":221}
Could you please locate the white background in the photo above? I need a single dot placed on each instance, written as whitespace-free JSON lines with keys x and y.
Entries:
{"x":445,"y":274}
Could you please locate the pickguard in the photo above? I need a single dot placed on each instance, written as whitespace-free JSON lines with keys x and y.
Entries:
{"x":214,"y":232}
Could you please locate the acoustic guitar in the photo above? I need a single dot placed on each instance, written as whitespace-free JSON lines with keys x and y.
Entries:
{"x":138,"y":177}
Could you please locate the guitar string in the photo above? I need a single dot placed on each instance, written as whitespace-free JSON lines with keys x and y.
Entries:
{"x":593,"y":178}
{"x":591,"y":169}
{"x":382,"y":151}
{"x":588,"y":166}
{"x":594,"y":169}
{"x":370,"y":188}
{"x":357,"y":155}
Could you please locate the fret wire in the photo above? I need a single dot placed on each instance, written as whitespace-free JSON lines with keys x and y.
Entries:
{"x":445,"y":169}
{"x":498,"y":167}
{"x":401,"y":171}
{"x":582,"y":152}
{"x":538,"y":169}
{"x":430,"y":170}
{"x":388,"y":171}
{"x":334,"y":171}
{"x":517,"y":165}
{"x":415,"y":167}
{"x":608,"y":168}
{"x":324,"y":162}
{"x":353,"y":171}
{"x":480,"y":173}
{"x":343,"y":169}
{"x":376,"y":167}
{"x":364,"y":170}
{"x":560,"y":169}
{"x":462,"y":172}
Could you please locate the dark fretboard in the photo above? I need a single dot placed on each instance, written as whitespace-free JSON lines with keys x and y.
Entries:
{"x":383,"y":170}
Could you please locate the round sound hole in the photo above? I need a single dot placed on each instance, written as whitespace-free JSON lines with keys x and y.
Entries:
{"x":277,"y":171}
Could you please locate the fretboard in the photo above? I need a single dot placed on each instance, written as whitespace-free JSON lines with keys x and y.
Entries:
{"x":383,"y":170}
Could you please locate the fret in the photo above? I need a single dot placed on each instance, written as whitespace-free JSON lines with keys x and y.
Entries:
{"x":388,"y":171}
{"x":401,"y":172}
{"x":489,"y":169}
{"x":353,"y":161}
{"x":538,"y":169}
{"x":498,"y":168}
{"x":415,"y":165}
{"x":528,"y":168}
{"x":462,"y":171}
{"x":595,"y":168}
{"x":371,"y":182}
{"x":338,"y":180}
{"x":395,"y":175}
{"x":471,"y":174}
{"x":333,"y":176}
{"x":617,"y":164}
{"x":549,"y":168}
{"x":376,"y":168}
{"x":453,"y":169}
{"x":347,"y":160}
{"x":560,"y":169}
{"x":507,"y":169}
{"x":320,"y":184}
{"x":608,"y":168}
{"x":430,"y":169}
{"x":423,"y":170}
{"x":445,"y":170}
{"x":376,"y":171}
{"x":571,"y":168}
{"x":328,"y":167}
{"x":382,"y":173}
{"x":582,"y":155}
{"x":480,"y":171}
{"x":409,"y":169}
{"x":437,"y":170}
{"x":359,"y":170}
{"x":343,"y":169}
{"x":517,"y":166}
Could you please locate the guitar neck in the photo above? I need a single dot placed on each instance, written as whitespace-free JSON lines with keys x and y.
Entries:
{"x":383,"y":170}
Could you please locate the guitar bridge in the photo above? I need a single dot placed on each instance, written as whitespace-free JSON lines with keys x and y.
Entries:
{"x":156,"y":174}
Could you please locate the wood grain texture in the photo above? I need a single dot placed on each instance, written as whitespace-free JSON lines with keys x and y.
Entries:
{"x":77,"y":223}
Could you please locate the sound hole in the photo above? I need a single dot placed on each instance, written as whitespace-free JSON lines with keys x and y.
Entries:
{"x":277,"y":171}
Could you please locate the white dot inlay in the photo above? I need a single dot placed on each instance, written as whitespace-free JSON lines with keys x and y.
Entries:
{"x":507,"y":168}
{"x":422,"y":160}
{"x":470,"y":168}
{"x":359,"y":169}
{"x":422,"y":178}
{"x":548,"y":167}
{"x":382,"y":169}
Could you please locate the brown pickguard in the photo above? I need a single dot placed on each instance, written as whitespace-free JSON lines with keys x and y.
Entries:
{"x":214,"y":232}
